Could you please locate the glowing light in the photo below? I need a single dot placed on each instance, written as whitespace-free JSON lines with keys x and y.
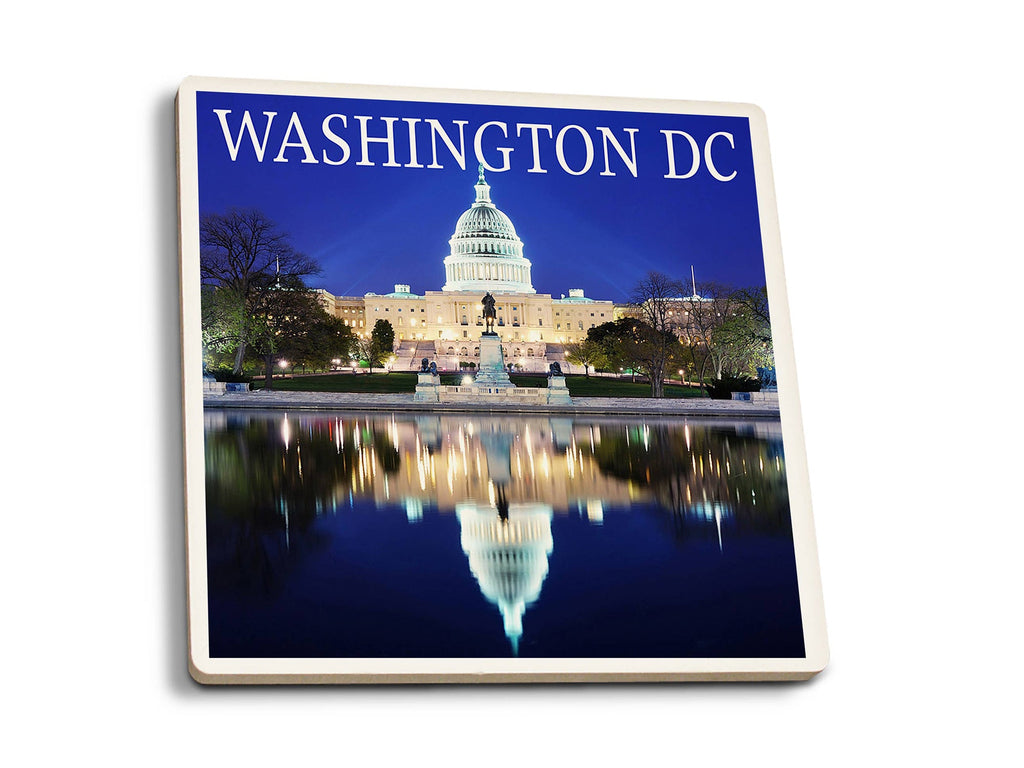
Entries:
{"x":283,"y":363}
{"x":466,"y":381}
{"x":286,"y":433}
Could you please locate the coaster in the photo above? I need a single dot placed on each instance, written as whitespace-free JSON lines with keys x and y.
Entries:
{"x":487,"y":387}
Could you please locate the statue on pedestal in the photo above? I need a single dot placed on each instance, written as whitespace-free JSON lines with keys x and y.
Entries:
{"x":489,"y":314}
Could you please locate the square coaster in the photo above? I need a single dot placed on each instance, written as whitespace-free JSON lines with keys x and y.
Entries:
{"x":487,"y":387}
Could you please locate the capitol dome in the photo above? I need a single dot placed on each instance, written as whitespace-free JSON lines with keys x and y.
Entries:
{"x":508,"y":558}
{"x":486,"y":253}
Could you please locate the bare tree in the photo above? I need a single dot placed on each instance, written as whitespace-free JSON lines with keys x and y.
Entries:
{"x":703,"y":314}
{"x":242,"y":255}
{"x":655,"y":301}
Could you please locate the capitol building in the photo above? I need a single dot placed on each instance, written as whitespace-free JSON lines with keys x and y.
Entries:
{"x":486,"y":255}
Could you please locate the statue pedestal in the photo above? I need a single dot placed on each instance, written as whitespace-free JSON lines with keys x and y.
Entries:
{"x":428,"y":388}
{"x":558,"y":393}
{"x":491,"y":373}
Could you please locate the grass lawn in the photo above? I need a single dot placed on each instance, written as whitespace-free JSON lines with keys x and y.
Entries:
{"x":379,"y":383}
{"x":390,"y":383}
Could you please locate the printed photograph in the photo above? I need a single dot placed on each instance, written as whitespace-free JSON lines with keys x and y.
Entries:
{"x":487,"y":381}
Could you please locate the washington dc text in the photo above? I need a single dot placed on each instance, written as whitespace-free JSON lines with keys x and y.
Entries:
{"x":413,"y":142}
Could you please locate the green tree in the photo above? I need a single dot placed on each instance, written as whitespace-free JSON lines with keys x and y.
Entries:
{"x":628,"y":342}
{"x":243,"y":255}
{"x":282,"y":318}
{"x":586,"y":353}
{"x":326,"y":339}
{"x":728,"y":330}
{"x":376,"y":349}
{"x":703,"y":314}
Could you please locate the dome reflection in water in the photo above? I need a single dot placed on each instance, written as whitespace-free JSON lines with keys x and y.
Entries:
{"x":380,"y":535}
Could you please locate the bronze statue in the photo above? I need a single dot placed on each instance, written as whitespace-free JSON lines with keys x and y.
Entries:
{"x":489,"y":314}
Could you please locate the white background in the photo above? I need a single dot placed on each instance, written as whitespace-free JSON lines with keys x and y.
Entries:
{"x":896,"y":144}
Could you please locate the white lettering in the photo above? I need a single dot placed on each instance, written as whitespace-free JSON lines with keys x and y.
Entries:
{"x":606,"y":136}
{"x":707,"y":156}
{"x":412,"y":142}
{"x":285,"y":144}
{"x":559,"y":146}
{"x":366,"y":140}
{"x":459,"y":154}
{"x":672,"y":155}
{"x":478,"y":147}
{"x":334,"y":138}
{"x":247,"y":126}
{"x":534,"y":129}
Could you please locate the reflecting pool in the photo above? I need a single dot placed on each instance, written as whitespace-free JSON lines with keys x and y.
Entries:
{"x":342,"y":535}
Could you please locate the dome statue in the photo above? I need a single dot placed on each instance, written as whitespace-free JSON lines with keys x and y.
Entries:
{"x":485,"y":253}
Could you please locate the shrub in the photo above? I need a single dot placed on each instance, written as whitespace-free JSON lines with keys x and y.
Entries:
{"x":228,"y":376}
{"x":722,"y":389}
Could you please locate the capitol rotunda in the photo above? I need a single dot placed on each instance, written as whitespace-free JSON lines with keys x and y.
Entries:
{"x":485,"y":256}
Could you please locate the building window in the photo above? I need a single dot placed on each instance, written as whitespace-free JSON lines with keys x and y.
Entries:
{"x":581,"y":325}
{"x":529,"y":352}
{"x":464,"y":351}
{"x":476,"y":351}
{"x":451,"y":350}
{"x":540,"y":321}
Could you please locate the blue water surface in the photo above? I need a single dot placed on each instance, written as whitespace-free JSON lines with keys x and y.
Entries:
{"x":389,"y":535}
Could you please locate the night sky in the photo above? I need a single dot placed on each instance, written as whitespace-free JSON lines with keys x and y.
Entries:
{"x":370,"y":227}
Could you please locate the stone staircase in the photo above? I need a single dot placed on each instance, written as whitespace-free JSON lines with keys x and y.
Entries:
{"x":405,"y":356}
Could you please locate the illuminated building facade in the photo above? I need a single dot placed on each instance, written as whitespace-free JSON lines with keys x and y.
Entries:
{"x":486,"y":255}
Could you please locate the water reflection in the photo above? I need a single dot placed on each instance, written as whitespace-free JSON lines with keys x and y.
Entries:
{"x":271,"y":477}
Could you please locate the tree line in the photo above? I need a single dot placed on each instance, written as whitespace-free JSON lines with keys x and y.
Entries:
{"x":709,"y":331}
{"x":257,"y":308}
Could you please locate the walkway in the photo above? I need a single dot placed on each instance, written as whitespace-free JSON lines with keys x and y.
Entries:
{"x":404,"y":402}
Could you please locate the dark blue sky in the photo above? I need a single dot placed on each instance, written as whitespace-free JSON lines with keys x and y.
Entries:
{"x":373,"y":226}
